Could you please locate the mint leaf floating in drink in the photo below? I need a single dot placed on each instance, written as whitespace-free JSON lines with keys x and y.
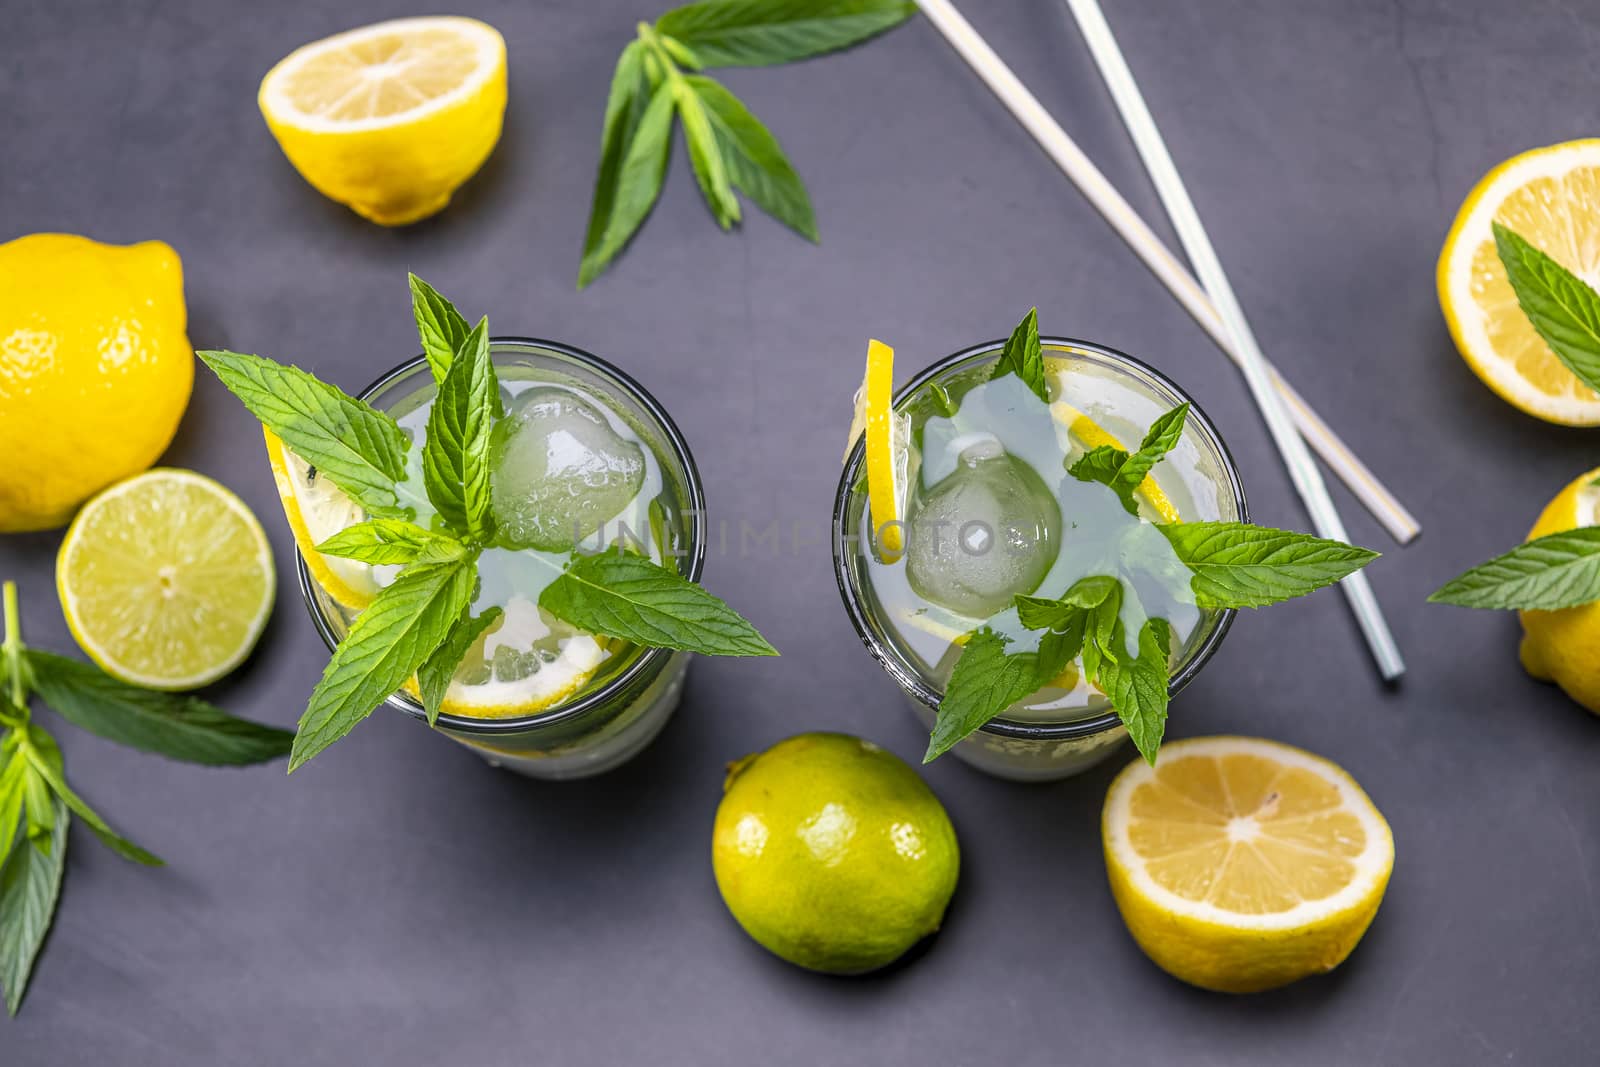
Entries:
{"x":986,"y":678}
{"x":1124,"y":472}
{"x":360,"y":450}
{"x":619,"y":594}
{"x":1562,"y":307}
{"x":729,"y":148}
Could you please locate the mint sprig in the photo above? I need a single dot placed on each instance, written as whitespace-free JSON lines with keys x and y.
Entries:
{"x":729,"y":148}
{"x":421,"y":625}
{"x":37,"y":803}
{"x":1230,"y":565}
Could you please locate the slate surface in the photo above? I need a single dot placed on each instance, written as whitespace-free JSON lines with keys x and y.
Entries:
{"x":397,"y":902}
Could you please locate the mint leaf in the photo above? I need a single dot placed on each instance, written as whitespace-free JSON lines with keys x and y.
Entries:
{"x":630,"y":93}
{"x":455,"y":456}
{"x":45,"y":758}
{"x":360,"y":450}
{"x":440,"y":327}
{"x":735,"y":33}
{"x":754,"y":160}
{"x":986,"y":680}
{"x":629,"y":597}
{"x":1562,"y":307}
{"x":394,"y":636}
{"x":1236,"y":565}
{"x":1138,"y":690}
{"x":623,"y":202}
{"x":30,"y":886}
{"x":382,"y":541}
{"x":13,"y":765}
{"x":433,"y":677}
{"x":169,"y":724}
{"x":705,"y":153}
{"x":1023,"y":356}
{"x":1559,"y":570}
{"x":1101,"y":463}
{"x":1160,"y":439}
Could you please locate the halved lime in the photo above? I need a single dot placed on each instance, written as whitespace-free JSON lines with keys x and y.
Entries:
{"x":166,"y":580}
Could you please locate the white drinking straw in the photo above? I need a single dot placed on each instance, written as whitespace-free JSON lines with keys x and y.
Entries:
{"x":1162,"y":263}
{"x":1186,"y":220}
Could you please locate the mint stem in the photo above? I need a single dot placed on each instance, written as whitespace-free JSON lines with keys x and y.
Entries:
{"x":12,"y":646}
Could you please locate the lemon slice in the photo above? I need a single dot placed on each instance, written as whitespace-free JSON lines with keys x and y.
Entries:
{"x":1241,"y":864}
{"x":551,"y":661}
{"x":888,"y":437}
{"x":166,"y":580}
{"x":390,"y":118}
{"x":1551,"y":197}
{"x":317,"y":509}
{"x":1093,"y":435}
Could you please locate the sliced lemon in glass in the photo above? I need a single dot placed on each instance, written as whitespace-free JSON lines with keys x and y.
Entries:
{"x":888,"y":451}
{"x":1551,"y":198}
{"x":317,"y":509}
{"x":526,"y":663}
{"x":1240,"y":864}
{"x":391,"y":118}
{"x":166,"y":580}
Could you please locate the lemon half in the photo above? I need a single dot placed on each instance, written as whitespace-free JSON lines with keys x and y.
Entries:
{"x":1551,"y":198}
{"x":391,"y":118}
{"x":166,"y":580}
{"x":1241,"y":864}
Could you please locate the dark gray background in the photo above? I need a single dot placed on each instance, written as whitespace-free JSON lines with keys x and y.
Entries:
{"x":397,"y":901}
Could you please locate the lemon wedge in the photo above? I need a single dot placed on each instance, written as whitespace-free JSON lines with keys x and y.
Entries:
{"x":1551,"y":198}
{"x":551,"y":662}
{"x":1240,"y":864}
{"x":1093,"y":435}
{"x":166,"y":580}
{"x":888,"y":445}
{"x":317,"y":509}
{"x":391,"y":118}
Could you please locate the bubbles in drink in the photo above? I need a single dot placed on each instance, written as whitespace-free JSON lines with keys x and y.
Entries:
{"x":986,"y":532}
{"x":561,"y":471}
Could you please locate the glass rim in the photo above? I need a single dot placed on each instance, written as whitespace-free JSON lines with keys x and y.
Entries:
{"x":651,"y":658}
{"x":910,"y":680}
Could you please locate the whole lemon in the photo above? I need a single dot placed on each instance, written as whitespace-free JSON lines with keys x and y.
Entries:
{"x":1564,"y":646}
{"x":832,"y":853}
{"x":95,"y":369}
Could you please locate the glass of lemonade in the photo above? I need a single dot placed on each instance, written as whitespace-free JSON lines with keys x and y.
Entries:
{"x":991,"y":512}
{"x":584,"y":459}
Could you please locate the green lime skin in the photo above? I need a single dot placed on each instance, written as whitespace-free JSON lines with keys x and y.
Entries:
{"x":832,"y":853}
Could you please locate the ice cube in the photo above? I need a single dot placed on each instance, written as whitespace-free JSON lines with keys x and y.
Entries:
{"x":562,"y":471}
{"x":986,"y":532}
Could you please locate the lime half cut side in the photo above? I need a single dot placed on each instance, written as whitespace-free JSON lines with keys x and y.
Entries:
{"x":166,"y":580}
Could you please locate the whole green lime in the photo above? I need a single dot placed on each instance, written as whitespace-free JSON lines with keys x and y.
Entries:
{"x":832,"y":853}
